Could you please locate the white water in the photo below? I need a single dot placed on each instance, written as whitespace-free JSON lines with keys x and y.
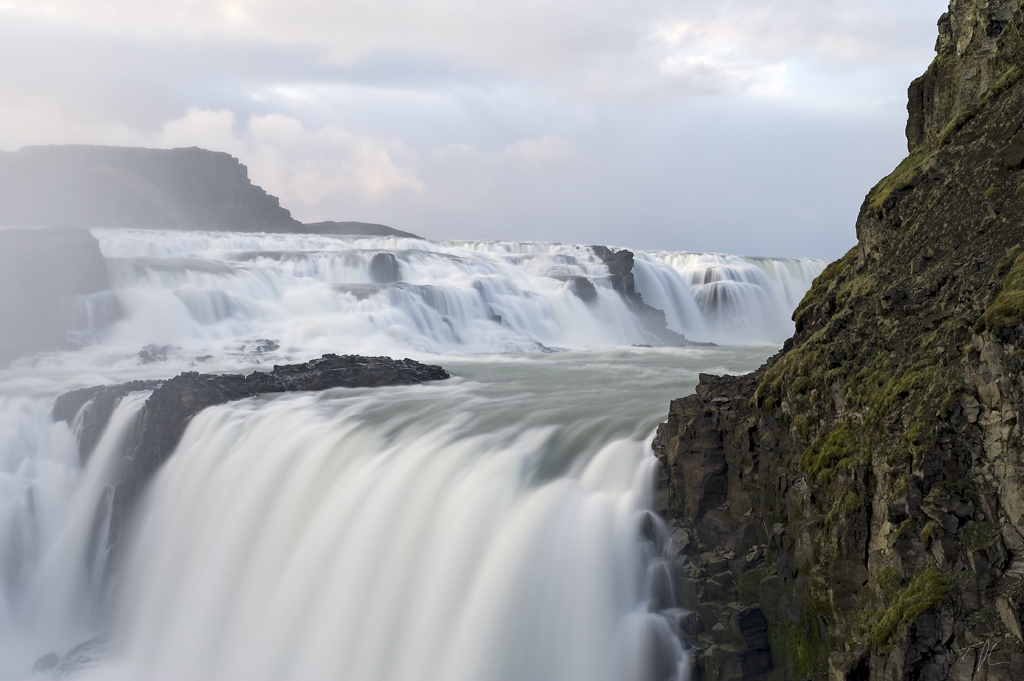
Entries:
{"x":482,"y":528}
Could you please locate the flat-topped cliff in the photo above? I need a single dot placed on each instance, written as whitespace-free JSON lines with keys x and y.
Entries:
{"x":853,"y":510}
{"x":96,"y":186}
{"x":180,"y":189}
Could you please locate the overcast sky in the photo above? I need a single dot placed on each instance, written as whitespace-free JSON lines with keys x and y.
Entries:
{"x":737,"y":126}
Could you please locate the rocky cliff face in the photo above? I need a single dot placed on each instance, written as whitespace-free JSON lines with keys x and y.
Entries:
{"x":187,"y":189}
{"x":96,"y":186}
{"x":853,"y":510}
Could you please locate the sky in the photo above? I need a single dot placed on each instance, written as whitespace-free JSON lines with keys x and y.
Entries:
{"x":752,"y":127}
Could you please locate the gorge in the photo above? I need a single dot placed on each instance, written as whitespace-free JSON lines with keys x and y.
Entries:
{"x":193,"y":485}
{"x":168,"y":513}
{"x":852,"y":509}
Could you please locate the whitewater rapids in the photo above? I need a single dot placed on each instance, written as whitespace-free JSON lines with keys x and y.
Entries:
{"x":490,"y":527}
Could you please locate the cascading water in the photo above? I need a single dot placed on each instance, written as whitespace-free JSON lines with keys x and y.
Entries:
{"x":726,"y":298}
{"x":489,"y":527}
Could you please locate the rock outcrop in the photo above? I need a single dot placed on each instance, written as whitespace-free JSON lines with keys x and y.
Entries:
{"x":620,"y":273}
{"x":96,"y":186}
{"x":174,"y":402}
{"x":184,"y":189}
{"x":853,"y":510}
{"x":42,"y":274}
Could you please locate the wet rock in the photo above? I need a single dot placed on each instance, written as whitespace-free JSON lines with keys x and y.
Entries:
{"x":384,"y":268}
{"x":620,"y":273}
{"x":96,"y":405}
{"x":155,"y":353}
{"x":583,"y":289}
{"x":175,"y":401}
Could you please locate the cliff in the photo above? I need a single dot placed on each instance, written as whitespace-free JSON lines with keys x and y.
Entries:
{"x":853,"y":510}
{"x":186,"y":189}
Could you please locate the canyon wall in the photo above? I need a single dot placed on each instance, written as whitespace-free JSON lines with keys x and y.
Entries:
{"x":854,"y":510}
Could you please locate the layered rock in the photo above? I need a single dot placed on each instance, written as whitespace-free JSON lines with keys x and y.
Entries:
{"x":174,"y":402}
{"x":861,"y":492}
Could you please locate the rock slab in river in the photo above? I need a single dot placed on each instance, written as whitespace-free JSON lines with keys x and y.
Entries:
{"x":174,"y":402}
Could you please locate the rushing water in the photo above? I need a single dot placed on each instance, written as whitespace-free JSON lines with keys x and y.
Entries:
{"x":484,"y":528}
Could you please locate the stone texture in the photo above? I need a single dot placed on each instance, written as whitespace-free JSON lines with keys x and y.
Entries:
{"x":862,"y":490}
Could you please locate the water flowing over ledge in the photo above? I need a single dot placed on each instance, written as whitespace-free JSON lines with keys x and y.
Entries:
{"x":496,"y":526}
{"x":327,"y":294}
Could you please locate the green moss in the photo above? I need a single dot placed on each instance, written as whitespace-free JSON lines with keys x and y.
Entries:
{"x":900,"y":178}
{"x":798,"y":648}
{"x":1008,"y":80}
{"x":1020,"y":189}
{"x":889,"y":581}
{"x":930,"y":530}
{"x":990,"y":192}
{"x":954,"y":126}
{"x":978,"y":536}
{"x":1007,"y":310}
{"x":926,"y":589}
{"x":840,"y":446}
{"x":900,"y":488}
{"x":802,"y":425}
{"x":844,"y":508}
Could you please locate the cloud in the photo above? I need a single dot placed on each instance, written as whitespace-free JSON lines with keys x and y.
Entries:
{"x":569,"y":120}
{"x":303,"y":167}
{"x":549,"y":149}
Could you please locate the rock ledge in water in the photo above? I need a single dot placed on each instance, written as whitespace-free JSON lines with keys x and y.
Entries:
{"x":174,"y":402}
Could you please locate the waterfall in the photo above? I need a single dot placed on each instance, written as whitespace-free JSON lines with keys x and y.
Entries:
{"x":54,"y":515}
{"x":726,"y":298}
{"x":312,"y":537}
{"x":493,"y":526}
{"x":198,"y":291}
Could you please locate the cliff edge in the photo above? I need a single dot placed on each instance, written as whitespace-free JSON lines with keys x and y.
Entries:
{"x":854,"y":510}
{"x":180,"y":189}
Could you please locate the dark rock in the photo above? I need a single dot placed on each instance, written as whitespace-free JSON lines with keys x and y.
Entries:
{"x":620,"y":273}
{"x":82,"y":657}
{"x":155,"y":353}
{"x":99,"y":404}
{"x":174,"y":402}
{"x":583,"y":288}
{"x":384,"y":268}
{"x":880,"y":451}
{"x":41,"y":271}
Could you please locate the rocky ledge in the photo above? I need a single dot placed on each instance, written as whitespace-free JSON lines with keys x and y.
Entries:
{"x":853,"y":510}
{"x":620,"y":274}
{"x":174,"y":402}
